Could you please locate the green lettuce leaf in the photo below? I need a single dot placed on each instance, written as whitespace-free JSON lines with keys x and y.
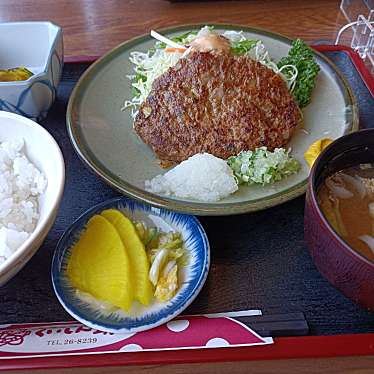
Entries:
{"x":242,"y":47}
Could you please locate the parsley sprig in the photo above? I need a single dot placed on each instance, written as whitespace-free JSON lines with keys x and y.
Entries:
{"x":301,"y":56}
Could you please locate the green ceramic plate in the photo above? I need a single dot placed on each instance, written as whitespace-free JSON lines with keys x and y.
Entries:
{"x":102,"y":134}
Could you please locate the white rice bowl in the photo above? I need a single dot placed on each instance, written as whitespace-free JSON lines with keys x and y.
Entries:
{"x":29,"y":195}
{"x":21,"y":185}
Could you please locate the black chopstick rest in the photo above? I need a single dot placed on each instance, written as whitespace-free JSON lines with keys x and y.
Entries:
{"x":277,"y":325}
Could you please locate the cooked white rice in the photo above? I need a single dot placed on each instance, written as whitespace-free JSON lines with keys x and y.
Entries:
{"x":21,"y":184}
{"x":202,"y":177}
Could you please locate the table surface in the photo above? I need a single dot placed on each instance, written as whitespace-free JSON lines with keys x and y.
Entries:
{"x":92,"y":27}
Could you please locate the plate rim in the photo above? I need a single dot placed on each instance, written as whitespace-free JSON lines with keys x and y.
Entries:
{"x":55,"y":272}
{"x":183,"y":206}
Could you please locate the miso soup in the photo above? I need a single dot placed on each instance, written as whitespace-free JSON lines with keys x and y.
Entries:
{"x":347,"y":201}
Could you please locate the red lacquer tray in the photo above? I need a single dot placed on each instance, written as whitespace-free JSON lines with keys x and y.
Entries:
{"x":283,"y":348}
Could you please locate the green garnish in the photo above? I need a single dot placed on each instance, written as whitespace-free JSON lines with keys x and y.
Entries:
{"x":262,"y":166}
{"x":139,"y":77}
{"x":242,"y":47}
{"x":301,"y":56}
{"x":181,"y":39}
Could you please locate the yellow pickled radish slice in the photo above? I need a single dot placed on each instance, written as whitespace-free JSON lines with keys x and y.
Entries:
{"x":16,"y":74}
{"x":139,"y":263}
{"x":100,"y":265}
{"x":315,"y":149}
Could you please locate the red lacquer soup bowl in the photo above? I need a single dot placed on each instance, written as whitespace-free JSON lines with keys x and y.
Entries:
{"x":346,"y":269}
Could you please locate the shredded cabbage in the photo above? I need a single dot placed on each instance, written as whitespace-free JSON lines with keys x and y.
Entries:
{"x":234,"y":36}
{"x":150,"y":65}
{"x":262,"y":166}
{"x":287,"y":72}
{"x":259,"y":53}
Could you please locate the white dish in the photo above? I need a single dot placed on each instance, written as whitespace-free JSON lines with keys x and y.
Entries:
{"x":43,"y":151}
{"x":38,"y":46}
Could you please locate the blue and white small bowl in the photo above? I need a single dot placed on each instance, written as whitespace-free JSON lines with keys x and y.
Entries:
{"x":38,"y":46}
{"x":96,"y":315}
